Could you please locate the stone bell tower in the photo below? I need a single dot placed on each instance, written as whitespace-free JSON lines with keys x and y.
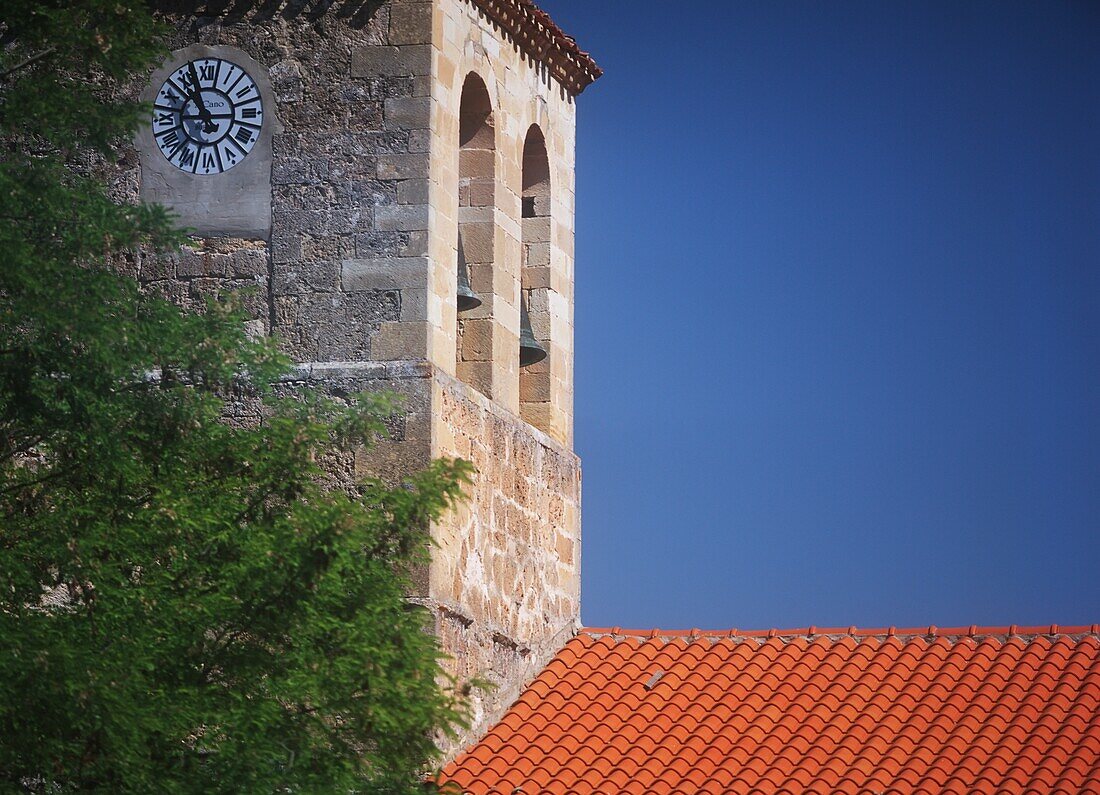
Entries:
{"x":391,"y":141}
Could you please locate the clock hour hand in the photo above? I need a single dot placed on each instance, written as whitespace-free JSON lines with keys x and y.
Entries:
{"x":208,"y":123}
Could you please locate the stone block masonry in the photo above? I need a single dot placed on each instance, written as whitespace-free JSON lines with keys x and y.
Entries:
{"x":504,"y":581}
{"x":348,"y":100}
{"x":505,"y":575}
{"x":469,"y":43}
{"x":355,"y":273}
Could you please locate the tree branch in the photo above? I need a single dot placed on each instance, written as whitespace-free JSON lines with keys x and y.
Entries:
{"x":27,"y":62}
{"x":23,"y":484}
{"x":11,"y":449}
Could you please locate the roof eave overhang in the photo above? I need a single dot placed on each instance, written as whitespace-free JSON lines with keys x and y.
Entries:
{"x":536,"y":34}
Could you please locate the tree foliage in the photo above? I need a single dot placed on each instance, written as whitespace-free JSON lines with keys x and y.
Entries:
{"x":186,"y":605}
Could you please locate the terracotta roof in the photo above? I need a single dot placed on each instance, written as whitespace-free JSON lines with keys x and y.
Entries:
{"x":540,"y":37}
{"x":966,"y":710}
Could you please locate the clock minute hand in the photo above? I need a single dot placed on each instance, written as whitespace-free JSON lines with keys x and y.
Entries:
{"x":208,"y":124}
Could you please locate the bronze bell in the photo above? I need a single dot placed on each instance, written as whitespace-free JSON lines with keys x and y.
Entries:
{"x":467,"y":298}
{"x":530,"y":351}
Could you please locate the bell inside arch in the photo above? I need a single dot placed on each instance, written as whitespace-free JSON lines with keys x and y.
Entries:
{"x":530,"y":351}
{"x":467,"y":298}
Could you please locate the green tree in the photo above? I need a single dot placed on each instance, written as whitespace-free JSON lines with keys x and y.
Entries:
{"x":186,"y":605}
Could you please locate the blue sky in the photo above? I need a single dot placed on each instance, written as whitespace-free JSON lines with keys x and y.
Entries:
{"x":838,"y":313}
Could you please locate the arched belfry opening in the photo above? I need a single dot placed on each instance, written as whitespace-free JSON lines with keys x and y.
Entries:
{"x":476,"y":232}
{"x":536,"y":357}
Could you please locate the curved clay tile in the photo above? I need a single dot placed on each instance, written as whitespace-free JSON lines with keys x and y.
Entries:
{"x":719,"y":781}
{"x":927,"y":712}
{"x":741,"y":652}
{"x":802,"y":705}
{"x":826,"y":779}
{"x":1038,"y":647}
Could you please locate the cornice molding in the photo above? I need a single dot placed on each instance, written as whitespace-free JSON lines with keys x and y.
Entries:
{"x":538,"y":35}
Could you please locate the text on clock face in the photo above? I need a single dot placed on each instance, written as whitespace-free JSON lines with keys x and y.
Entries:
{"x":207,"y":116}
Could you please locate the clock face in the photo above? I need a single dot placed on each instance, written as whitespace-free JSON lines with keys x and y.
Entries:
{"x":207,"y":116}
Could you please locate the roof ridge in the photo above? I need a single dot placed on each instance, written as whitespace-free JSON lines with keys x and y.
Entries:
{"x":973,"y":630}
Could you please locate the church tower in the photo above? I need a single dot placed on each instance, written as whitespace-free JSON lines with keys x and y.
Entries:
{"x":395,"y":182}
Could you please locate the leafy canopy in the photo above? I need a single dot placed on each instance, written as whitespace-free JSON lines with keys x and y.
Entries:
{"x":186,"y":605}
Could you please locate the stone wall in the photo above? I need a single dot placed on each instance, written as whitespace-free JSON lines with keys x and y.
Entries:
{"x":536,"y":380}
{"x":505,"y":574}
{"x":504,"y":581}
{"x":521,"y":95}
{"x":358,"y":276}
{"x":503,"y":585}
{"x":345,"y":270}
{"x":208,"y":267}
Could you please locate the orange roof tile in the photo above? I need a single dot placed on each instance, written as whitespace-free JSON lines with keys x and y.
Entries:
{"x":968,"y":710}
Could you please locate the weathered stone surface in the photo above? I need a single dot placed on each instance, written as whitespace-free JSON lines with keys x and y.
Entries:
{"x":400,"y":340}
{"x":540,"y":204}
{"x":384,"y":273}
{"x":538,"y":256}
{"x":534,"y":390}
{"x":375,"y":61}
{"x":414,"y":305}
{"x":410,"y":166}
{"x":477,"y":161}
{"x":536,"y":230}
{"x":476,"y":193}
{"x":393,"y":461}
{"x":506,"y":571}
{"x":249,"y":262}
{"x":407,"y":112}
{"x":413,"y":191}
{"x":538,"y":414}
{"x":369,"y":245}
{"x":477,"y":242}
{"x":337,"y":327}
{"x":322,"y":276}
{"x":419,"y":140}
{"x":478,"y":374}
{"x":356,"y":277}
{"x":411,"y":23}
{"x":477,"y":340}
{"x":193,"y":263}
{"x":286,"y":80}
{"x":402,"y":217}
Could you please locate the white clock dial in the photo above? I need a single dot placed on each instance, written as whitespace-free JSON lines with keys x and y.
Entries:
{"x":207,"y":116}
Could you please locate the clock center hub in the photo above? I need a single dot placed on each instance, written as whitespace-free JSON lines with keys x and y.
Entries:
{"x":210,"y":124}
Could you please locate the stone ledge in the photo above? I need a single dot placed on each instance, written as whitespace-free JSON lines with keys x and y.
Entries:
{"x":417,"y":369}
{"x":448,"y":381}
{"x":322,"y":371}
